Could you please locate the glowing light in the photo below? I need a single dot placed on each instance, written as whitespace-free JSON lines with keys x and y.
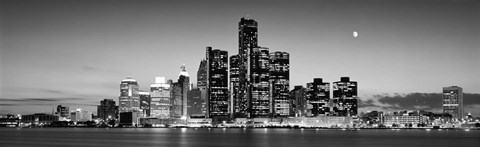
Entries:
{"x":355,"y":34}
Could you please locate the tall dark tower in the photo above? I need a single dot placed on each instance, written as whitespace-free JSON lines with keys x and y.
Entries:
{"x":217,"y":83}
{"x":239,"y":106}
{"x":247,"y":40}
{"x":345,"y":97}
{"x":318,"y":96}
{"x":279,"y":83}
{"x":259,"y":83}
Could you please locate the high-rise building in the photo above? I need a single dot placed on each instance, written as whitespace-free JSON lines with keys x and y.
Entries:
{"x":81,"y":115}
{"x":453,"y":101}
{"x":107,"y":109}
{"x":160,"y":99}
{"x":202,"y":86}
{"x":129,"y":99}
{"x":179,"y":94}
{"x":194,"y":108}
{"x":248,"y":39}
{"x":298,"y":98}
{"x":239,"y":106}
{"x":259,"y":79}
{"x":318,"y":96}
{"x":345,"y":97}
{"x":145,"y":103}
{"x":280,"y":83}
{"x":217,"y":83}
{"x":63,"y":111}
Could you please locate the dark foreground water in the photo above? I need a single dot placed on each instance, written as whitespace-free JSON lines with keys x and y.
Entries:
{"x":170,"y":137}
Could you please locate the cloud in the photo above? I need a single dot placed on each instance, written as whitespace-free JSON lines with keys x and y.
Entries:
{"x":41,"y":99}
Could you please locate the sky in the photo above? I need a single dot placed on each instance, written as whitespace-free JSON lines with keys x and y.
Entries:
{"x":76,"y":52}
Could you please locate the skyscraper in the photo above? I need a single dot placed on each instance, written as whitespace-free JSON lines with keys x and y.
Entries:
{"x":129,"y":100}
{"x":217,"y":83}
{"x":107,"y":109}
{"x":279,"y":83}
{"x":145,"y":103}
{"x":179,"y":94}
{"x":239,"y":106}
{"x":202,"y":86}
{"x":345,"y":97}
{"x":259,"y":78}
{"x":160,"y":99}
{"x":453,"y":101}
{"x":63,"y":111}
{"x":318,"y":96}
{"x":247,"y":40}
{"x":194,"y":107}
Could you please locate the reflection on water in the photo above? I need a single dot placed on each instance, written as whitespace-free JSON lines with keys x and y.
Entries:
{"x":233,"y":137}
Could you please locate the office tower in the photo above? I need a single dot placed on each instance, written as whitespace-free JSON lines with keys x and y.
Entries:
{"x":248,"y":38}
{"x":259,"y":79}
{"x":179,"y":94}
{"x":239,"y":106}
{"x":345,"y":97}
{"x":81,"y":115}
{"x":217,"y":83}
{"x":107,"y":109}
{"x":453,"y":101}
{"x":160,"y":99}
{"x":202,"y":85}
{"x":280,"y":83}
{"x":318,"y":96}
{"x":298,"y":98}
{"x":63,"y":111}
{"x":129,"y":99}
{"x":145,"y":103}
{"x":194,"y":107}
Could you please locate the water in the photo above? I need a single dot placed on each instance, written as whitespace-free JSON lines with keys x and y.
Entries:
{"x":171,"y":137}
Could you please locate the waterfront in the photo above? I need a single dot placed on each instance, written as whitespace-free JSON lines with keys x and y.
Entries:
{"x":234,"y":137}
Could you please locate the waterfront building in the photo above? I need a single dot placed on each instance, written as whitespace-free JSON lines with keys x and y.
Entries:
{"x":63,"y":111}
{"x":259,"y":78}
{"x":217,"y":83}
{"x":239,"y":105}
{"x":80,"y":115}
{"x":202,"y":86}
{"x":345,"y":98}
{"x":299,"y":101}
{"x":280,"y":83}
{"x":403,"y":120}
{"x":38,"y":118}
{"x":179,"y":92}
{"x":129,"y":99}
{"x":160,"y":98}
{"x":453,"y":101}
{"x":195,"y":103}
{"x":107,"y":109}
{"x":318,"y":97}
{"x":145,"y":101}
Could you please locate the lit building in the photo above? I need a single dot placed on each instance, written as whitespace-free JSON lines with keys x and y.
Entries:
{"x":107,"y":109}
{"x":345,"y":97}
{"x":318,"y":97}
{"x":145,"y":102}
{"x":160,"y":99}
{"x":239,"y":106}
{"x":248,"y":39}
{"x":453,"y":101}
{"x":80,"y":115}
{"x":280,"y":83}
{"x":63,"y":111}
{"x":217,"y":83}
{"x":202,"y":85}
{"x":403,"y":120}
{"x":39,"y":118}
{"x":261,"y":102}
{"x":179,"y":92}
{"x":298,"y":97}
{"x":129,"y":99}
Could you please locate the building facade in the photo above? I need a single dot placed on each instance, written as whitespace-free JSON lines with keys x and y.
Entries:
{"x":453,"y":101}
{"x":63,"y":111}
{"x":202,"y":86}
{"x":259,"y":80}
{"x":345,"y":99}
{"x":107,"y":109}
{"x":298,"y":98}
{"x":217,"y":83}
{"x":179,"y":94}
{"x":318,"y":97}
{"x":280,"y":83}
{"x":144,"y":103}
{"x":160,"y":99}
{"x":195,"y":103}
{"x":129,"y":100}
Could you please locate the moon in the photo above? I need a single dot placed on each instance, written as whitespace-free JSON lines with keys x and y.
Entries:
{"x":355,"y":34}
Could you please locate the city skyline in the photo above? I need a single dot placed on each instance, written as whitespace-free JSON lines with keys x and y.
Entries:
{"x":73,"y":57}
